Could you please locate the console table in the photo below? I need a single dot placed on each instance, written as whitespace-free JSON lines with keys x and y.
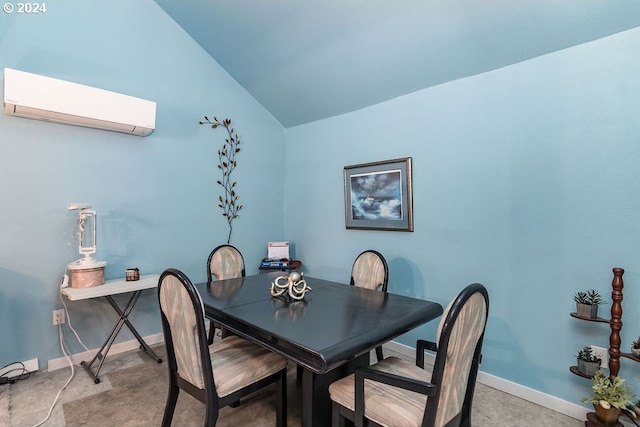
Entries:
{"x":108,"y":290}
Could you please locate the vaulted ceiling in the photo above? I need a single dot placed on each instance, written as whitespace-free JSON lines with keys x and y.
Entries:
{"x":306,"y":60}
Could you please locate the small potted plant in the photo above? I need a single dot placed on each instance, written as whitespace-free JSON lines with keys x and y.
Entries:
{"x":609,"y":397}
{"x":635,"y":347}
{"x":587,"y":303}
{"x":588,"y":363}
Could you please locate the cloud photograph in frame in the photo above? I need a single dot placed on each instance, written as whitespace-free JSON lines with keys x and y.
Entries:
{"x":378,"y":195}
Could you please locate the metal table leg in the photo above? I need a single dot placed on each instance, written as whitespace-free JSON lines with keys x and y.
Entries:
{"x":123,"y":320}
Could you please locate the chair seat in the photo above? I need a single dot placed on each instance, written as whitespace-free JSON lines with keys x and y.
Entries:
{"x":238,"y":363}
{"x":384,"y":404}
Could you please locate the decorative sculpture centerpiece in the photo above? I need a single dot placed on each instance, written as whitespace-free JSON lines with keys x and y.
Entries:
{"x":292,"y":285}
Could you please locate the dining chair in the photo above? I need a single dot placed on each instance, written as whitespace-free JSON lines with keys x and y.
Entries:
{"x":220,"y":374}
{"x":224,"y":262}
{"x":370,"y":270}
{"x":400,"y":393}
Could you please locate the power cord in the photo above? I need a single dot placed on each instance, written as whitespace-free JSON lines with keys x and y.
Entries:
{"x":68,"y":317}
{"x":6,"y":378}
{"x":55,"y":401}
{"x":64,"y":349}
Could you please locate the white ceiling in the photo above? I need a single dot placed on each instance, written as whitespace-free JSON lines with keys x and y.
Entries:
{"x":306,"y":60}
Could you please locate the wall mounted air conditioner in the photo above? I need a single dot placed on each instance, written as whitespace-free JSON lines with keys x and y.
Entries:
{"x":45,"y":98}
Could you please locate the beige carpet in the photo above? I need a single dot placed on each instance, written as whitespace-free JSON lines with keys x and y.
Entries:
{"x":133,"y":389}
{"x":138,"y":398}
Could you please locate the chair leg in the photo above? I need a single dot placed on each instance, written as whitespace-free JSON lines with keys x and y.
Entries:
{"x":212,"y":332}
{"x":281,"y":400}
{"x":299,"y":372}
{"x":379,"y":354}
{"x":211,"y":416}
{"x":465,"y":419}
{"x":337,"y":420}
{"x":170,"y":406}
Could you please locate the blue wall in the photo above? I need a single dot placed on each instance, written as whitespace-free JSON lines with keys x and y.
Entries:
{"x":156,"y":197}
{"x":525,"y":179}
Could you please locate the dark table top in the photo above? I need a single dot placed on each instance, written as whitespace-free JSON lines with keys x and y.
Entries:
{"x":333,"y":324}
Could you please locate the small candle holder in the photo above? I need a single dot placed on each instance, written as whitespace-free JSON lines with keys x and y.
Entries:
{"x":132,"y":274}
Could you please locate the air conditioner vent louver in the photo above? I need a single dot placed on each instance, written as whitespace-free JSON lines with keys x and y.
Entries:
{"x":45,"y":98}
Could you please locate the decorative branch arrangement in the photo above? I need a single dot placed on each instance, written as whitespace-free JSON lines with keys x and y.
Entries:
{"x":227,"y":162}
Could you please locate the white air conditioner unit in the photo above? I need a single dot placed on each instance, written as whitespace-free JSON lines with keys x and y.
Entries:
{"x":45,"y":98}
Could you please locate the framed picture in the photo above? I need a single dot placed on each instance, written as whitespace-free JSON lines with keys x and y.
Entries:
{"x":378,"y":195}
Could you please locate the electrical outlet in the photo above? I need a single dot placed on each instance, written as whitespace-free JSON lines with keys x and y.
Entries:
{"x":58,"y":317}
{"x":602,"y":354}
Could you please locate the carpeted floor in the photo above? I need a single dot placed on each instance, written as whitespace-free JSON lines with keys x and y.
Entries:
{"x":133,"y":389}
{"x":139,"y":395}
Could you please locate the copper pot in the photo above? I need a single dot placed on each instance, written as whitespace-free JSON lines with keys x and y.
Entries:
{"x":608,"y":417}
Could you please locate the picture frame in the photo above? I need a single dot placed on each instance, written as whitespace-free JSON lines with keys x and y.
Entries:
{"x":379,"y":195}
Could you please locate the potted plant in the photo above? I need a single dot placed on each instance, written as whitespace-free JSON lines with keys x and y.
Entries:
{"x":635,"y":347}
{"x":588,"y":363}
{"x":609,"y":397}
{"x":587,"y":303}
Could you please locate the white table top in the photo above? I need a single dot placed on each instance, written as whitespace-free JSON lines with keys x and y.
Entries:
{"x":112,"y":287}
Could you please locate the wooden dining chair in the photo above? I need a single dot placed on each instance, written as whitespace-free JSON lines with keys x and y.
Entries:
{"x":217,"y":375}
{"x":224,"y":262}
{"x":399,"y":393}
{"x":370,"y":270}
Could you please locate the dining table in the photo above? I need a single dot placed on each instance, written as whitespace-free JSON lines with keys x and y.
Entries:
{"x":328,"y":334}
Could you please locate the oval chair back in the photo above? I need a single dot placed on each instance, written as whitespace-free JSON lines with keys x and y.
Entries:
{"x":239,"y":367}
{"x":185,"y":339}
{"x":225,"y":262}
{"x":399,"y":392}
{"x":458,"y":356}
{"x":370,"y":271}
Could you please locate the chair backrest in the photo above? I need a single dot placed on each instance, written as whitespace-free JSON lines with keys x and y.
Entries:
{"x":370,"y":271}
{"x":183,"y":326}
{"x":225,"y":262}
{"x":459,"y":345}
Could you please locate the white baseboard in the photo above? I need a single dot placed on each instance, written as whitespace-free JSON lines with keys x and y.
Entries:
{"x":562,"y":406}
{"x":117,"y":348}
